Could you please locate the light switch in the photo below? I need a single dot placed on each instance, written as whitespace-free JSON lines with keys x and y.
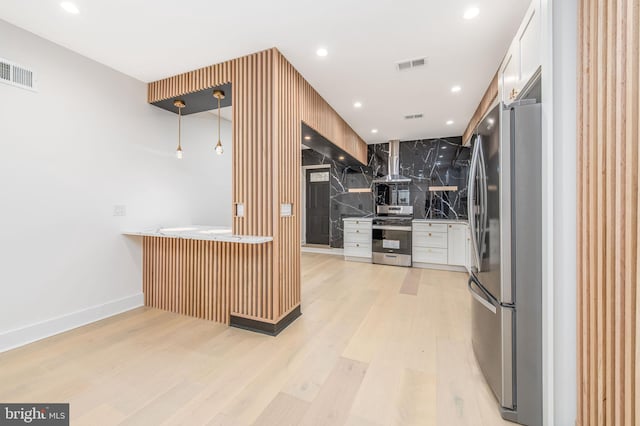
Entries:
{"x":119,"y":210}
{"x":286,"y":209}
{"x":239,"y":210}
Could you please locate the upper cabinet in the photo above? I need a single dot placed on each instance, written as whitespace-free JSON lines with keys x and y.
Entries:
{"x":523,"y":58}
{"x":519,"y":65}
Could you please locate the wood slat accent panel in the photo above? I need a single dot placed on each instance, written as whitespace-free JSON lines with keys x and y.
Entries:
{"x":485,"y":103}
{"x":287,"y":127}
{"x":253,"y":144}
{"x":189,"y":82}
{"x":321,"y":117}
{"x":608,"y":232}
{"x":270,"y":101}
{"x":200,"y":278}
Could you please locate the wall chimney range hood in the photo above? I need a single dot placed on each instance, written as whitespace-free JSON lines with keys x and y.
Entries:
{"x":394,"y":175}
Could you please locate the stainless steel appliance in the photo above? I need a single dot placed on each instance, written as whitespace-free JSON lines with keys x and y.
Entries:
{"x":391,"y":234}
{"x":391,"y":239}
{"x":393,"y":166}
{"x":505,"y":197}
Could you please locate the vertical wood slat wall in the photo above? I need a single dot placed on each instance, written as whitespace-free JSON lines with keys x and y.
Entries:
{"x":488,"y":98}
{"x":287,"y":131}
{"x":195,"y":278}
{"x":608,"y":213}
{"x":270,"y":100}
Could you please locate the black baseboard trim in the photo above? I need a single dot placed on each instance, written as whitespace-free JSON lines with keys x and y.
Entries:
{"x":265,"y":327}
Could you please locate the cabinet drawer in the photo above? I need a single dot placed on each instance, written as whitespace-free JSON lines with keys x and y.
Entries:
{"x":358,"y":236}
{"x":429,"y":227}
{"x":430,"y":255}
{"x":357,"y":224}
{"x":430,"y":239}
{"x":357,"y":249}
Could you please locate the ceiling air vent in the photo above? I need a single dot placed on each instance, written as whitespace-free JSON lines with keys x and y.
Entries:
{"x":413,"y":116}
{"x":16,"y":75}
{"x":411,"y":63}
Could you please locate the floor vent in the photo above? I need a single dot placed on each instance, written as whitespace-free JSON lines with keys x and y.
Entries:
{"x":413,"y":116}
{"x":16,"y":75}
{"x":411,"y":63}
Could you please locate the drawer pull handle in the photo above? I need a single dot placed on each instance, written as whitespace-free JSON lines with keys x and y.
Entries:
{"x":449,"y":226}
{"x":357,"y":231}
{"x":429,"y":233}
{"x":429,"y":224}
{"x":357,"y":245}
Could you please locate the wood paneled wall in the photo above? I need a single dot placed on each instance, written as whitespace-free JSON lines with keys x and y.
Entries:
{"x":322,"y":118}
{"x":485,"y":103}
{"x":198,"y":278}
{"x":608,"y":232}
{"x":270,"y":102}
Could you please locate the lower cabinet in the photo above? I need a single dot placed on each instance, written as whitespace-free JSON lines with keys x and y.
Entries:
{"x":457,"y":249}
{"x":357,"y":239}
{"x":440,"y":244}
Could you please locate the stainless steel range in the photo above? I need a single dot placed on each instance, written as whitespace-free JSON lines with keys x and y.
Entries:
{"x":391,"y":236}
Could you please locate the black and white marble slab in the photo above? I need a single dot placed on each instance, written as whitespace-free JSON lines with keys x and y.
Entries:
{"x":430,"y":162}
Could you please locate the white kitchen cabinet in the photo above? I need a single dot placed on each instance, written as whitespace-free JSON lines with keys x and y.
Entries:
{"x":357,"y":239}
{"x":440,"y":244}
{"x":524,"y":56}
{"x":529,"y":41}
{"x":457,"y":244}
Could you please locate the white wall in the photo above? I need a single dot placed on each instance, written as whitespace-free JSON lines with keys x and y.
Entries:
{"x":559,"y":103}
{"x":86,"y":141}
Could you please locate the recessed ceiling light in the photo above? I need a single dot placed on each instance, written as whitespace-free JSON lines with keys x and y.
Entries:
{"x":471,"y":13}
{"x":341,"y":157}
{"x":443,"y":147}
{"x":357,"y":104}
{"x":456,"y":89}
{"x":374,"y":130}
{"x":307,"y":138}
{"x":441,"y":156}
{"x":70,"y":7}
{"x":322,"y":52}
{"x":449,"y":123}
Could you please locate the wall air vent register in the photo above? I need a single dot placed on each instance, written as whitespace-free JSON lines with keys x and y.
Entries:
{"x":17,"y":75}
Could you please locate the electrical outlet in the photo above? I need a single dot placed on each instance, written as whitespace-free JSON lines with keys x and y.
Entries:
{"x":119,"y":210}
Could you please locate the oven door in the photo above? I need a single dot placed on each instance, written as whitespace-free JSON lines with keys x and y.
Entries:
{"x":391,"y":245}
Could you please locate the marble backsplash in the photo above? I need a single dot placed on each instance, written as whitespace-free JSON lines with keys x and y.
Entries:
{"x":432,"y":162}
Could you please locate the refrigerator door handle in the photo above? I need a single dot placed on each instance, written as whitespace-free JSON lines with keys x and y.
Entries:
{"x":483,"y":203}
{"x":471,"y":201}
{"x":483,"y":298}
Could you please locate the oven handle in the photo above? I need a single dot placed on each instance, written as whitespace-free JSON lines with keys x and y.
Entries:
{"x":392,"y":228}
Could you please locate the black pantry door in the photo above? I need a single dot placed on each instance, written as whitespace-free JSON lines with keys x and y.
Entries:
{"x":317,"y":182}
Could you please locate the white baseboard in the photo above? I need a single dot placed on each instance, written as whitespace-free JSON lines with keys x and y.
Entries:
{"x":21,"y":336}
{"x":334,"y":251}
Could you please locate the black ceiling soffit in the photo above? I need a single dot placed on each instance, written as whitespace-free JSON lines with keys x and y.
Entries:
{"x":319,"y":143}
{"x":199,"y":101}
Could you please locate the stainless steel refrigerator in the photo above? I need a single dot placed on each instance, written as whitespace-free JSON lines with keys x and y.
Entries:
{"x":505,"y":217}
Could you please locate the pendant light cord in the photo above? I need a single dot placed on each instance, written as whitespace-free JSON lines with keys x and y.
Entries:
{"x":179,"y":128}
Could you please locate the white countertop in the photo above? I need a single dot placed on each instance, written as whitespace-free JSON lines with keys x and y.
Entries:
{"x":358,"y":218}
{"x":463,"y":222}
{"x":197,"y":232}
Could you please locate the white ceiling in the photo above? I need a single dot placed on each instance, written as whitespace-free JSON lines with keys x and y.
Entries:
{"x":150,"y":40}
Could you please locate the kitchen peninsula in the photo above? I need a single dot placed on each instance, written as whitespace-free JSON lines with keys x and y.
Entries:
{"x":210,"y":273}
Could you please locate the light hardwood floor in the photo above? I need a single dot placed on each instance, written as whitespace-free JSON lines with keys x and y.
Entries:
{"x":375,"y":345}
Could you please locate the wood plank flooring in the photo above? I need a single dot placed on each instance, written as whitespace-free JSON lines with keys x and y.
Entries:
{"x":375,"y":345}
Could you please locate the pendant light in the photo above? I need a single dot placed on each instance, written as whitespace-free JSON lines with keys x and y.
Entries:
{"x":179,"y":104}
{"x":219,"y":95}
